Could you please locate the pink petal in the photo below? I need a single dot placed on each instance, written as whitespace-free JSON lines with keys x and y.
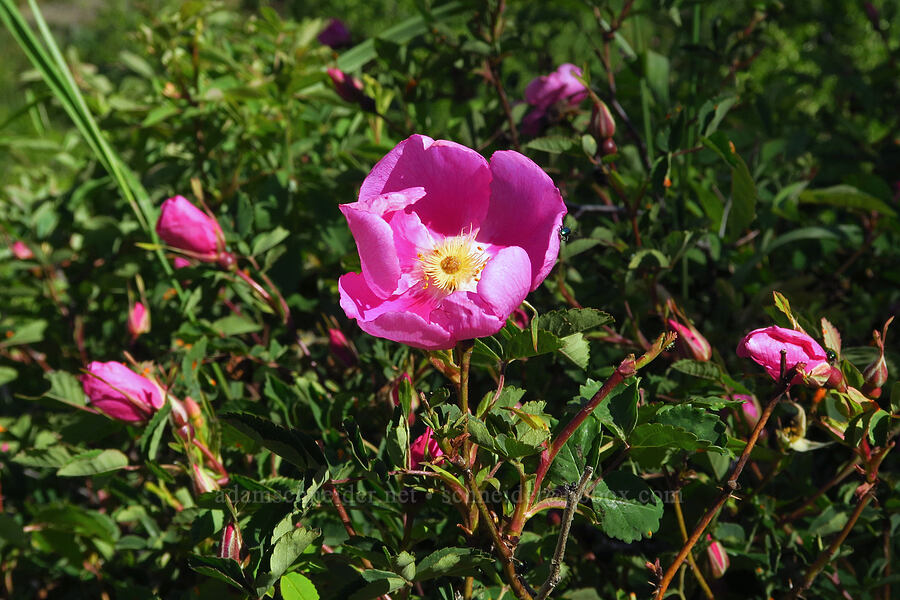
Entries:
{"x":377,"y":254}
{"x":505,"y":281}
{"x":526,"y":210}
{"x":466,"y":317}
{"x":456,"y":178}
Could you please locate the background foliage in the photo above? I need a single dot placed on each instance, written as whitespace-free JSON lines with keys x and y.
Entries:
{"x":758,"y":150}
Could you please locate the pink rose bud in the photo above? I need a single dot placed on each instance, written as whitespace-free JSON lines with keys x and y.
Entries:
{"x":350,"y":89}
{"x":718,"y":558}
{"x":876,"y":373}
{"x":138,"y":320}
{"x":335,"y":35}
{"x":750,"y":409}
{"x":765,"y":346}
{"x":521,"y":318}
{"x":193,"y":411}
{"x":341,"y":348}
{"x":608,"y":147}
{"x":21,"y":251}
{"x":180,"y":262}
{"x":232,"y":542}
{"x":690,"y":343}
{"x":187,"y":228}
{"x":560,"y":88}
{"x":602,"y":122}
{"x":203,"y":481}
{"x":423,"y":449}
{"x":120,"y":393}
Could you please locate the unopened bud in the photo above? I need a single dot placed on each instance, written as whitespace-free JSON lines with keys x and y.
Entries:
{"x":350,"y":89}
{"x":690,"y":342}
{"x":608,"y":147}
{"x":718,"y":558}
{"x":232,"y":542}
{"x":21,"y":251}
{"x":836,"y":380}
{"x":203,"y":481}
{"x":602,"y":123}
{"x":341,"y":348}
{"x":226,"y":261}
{"x":876,"y":374}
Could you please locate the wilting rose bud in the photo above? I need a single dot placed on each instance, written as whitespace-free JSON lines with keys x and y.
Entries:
{"x":718,"y":558}
{"x":341,"y":348}
{"x":423,"y":449}
{"x":21,"y":251}
{"x":203,"y":481}
{"x":765,"y":345}
{"x":876,"y":373}
{"x":350,"y":89}
{"x":603,"y":126}
{"x":138,"y":320}
{"x":120,"y":393}
{"x":187,"y":228}
{"x":232,"y":542}
{"x":690,"y":343}
{"x":335,"y":35}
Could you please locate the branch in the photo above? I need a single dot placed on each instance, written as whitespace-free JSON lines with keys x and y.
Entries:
{"x":573,"y":497}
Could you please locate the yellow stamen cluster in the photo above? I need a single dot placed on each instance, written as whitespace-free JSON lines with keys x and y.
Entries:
{"x":454,"y":263}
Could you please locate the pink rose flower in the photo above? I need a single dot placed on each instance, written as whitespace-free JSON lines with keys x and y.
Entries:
{"x":120,"y":393}
{"x":335,"y":35}
{"x":21,"y":251}
{"x":449,"y":244}
{"x":187,"y":228}
{"x":180,"y":262}
{"x":341,"y":348}
{"x":559,"y":87}
{"x":138,"y":320}
{"x":750,"y":409}
{"x":764,"y":346}
{"x":423,"y":449}
{"x":690,"y":342}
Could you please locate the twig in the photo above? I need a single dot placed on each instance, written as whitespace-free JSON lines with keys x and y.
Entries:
{"x":849,"y":468}
{"x":573,"y":497}
{"x":730,"y":485}
{"x":679,"y":515}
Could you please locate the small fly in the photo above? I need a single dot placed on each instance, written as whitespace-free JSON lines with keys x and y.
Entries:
{"x":564,"y":233}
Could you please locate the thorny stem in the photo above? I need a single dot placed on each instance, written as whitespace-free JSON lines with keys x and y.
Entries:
{"x":730,"y":485}
{"x":573,"y":497}
{"x":679,"y":515}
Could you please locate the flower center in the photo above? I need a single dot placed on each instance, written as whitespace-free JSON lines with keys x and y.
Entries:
{"x":455,"y":263}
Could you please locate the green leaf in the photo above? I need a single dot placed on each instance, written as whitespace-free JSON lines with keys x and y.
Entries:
{"x":289,"y":444}
{"x":53,"y":457}
{"x":518,"y":343}
{"x":11,"y":532}
{"x":287,"y":549}
{"x":30,"y":332}
{"x":452,"y":562}
{"x":656,"y":70}
{"x":223,"y":569}
{"x":380,"y":583}
{"x":153,"y":431}
{"x":742,"y":206}
{"x":7,"y":374}
{"x":93,"y":463}
{"x":626,"y":507}
{"x":235,"y":325}
{"x":846,"y":196}
{"x":578,"y":452}
{"x":554,"y":144}
{"x":705,"y":425}
{"x":270,"y":239}
{"x":295,"y":586}
{"x":577,"y":349}
{"x":574,"y":320}
{"x":65,"y":388}
{"x":619,"y":411}
{"x":697,"y":368}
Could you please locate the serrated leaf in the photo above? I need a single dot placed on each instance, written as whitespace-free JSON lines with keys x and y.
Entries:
{"x":831,"y":337}
{"x":452,"y":562}
{"x":577,"y":349}
{"x":626,"y":507}
{"x":223,"y":569}
{"x":55,"y":456}
{"x":286,"y":550}
{"x":782,"y":304}
{"x":295,"y":586}
{"x":94,"y":462}
{"x":697,"y":368}
{"x":574,"y":320}
{"x":554,"y":144}
{"x":705,"y":425}
{"x":289,"y":444}
{"x":266,"y":241}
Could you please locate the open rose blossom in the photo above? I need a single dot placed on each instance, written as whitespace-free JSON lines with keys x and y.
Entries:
{"x":120,"y":393}
{"x":424,"y":449}
{"x":559,"y":87}
{"x":187,"y":228}
{"x":764,"y":346}
{"x":449,"y":244}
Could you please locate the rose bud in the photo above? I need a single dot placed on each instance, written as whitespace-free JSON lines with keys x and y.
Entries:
{"x":690,"y":343}
{"x":350,"y":89}
{"x":138,"y":320}
{"x":750,"y":409}
{"x":194,"y":413}
{"x":187,"y":228}
{"x":603,"y":125}
{"x":232,"y":542}
{"x":335,"y":35}
{"x":423,"y":449}
{"x":608,"y":147}
{"x":341,"y":348}
{"x":521,"y":318}
{"x":764,"y":346}
{"x":120,"y":393}
{"x":21,"y":251}
{"x":718,"y":558}
{"x":180,"y":262}
{"x":876,"y":373}
{"x":203,"y":481}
